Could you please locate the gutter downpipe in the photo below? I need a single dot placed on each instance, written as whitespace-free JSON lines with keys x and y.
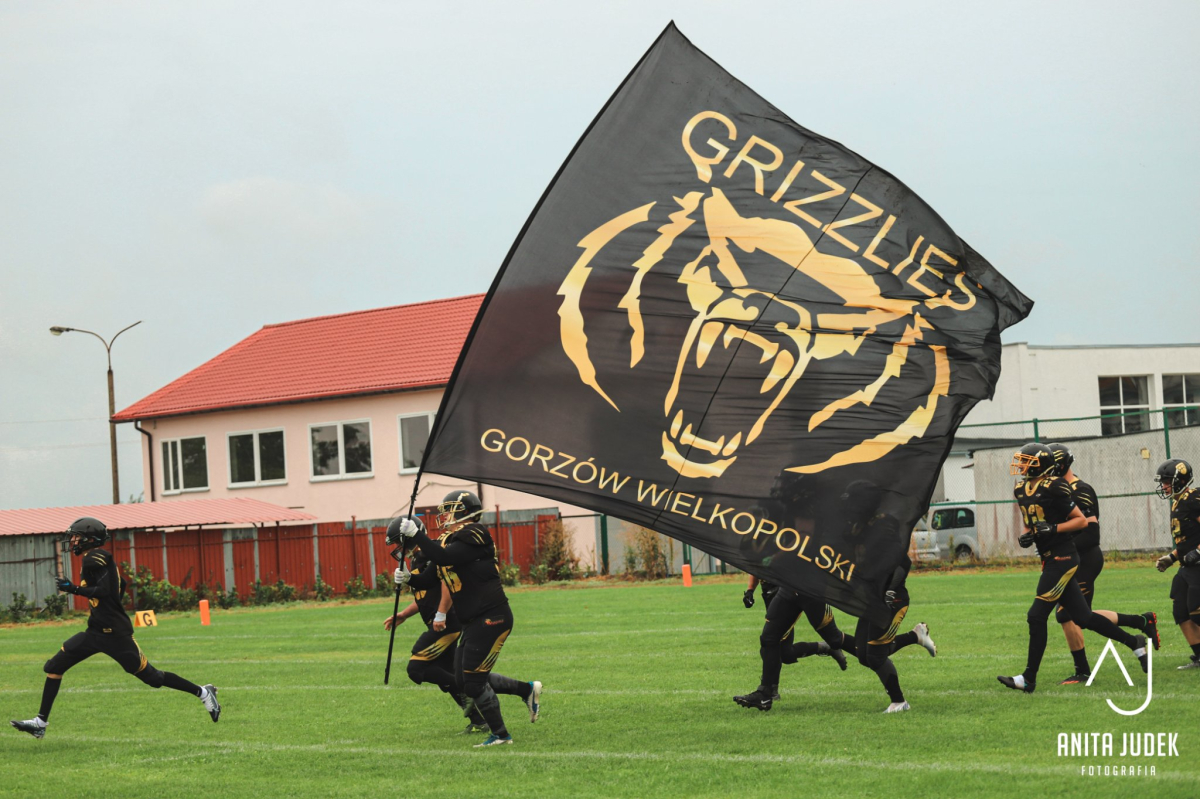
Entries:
{"x":137,"y":425}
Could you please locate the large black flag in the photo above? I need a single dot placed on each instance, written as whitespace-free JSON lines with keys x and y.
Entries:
{"x":724,"y":327}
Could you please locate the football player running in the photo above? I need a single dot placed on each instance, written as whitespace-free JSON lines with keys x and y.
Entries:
{"x":791,"y":650}
{"x":1174,"y":479}
{"x":1050,"y":517}
{"x":466,"y":564}
{"x":108,"y":629}
{"x":871,"y":644}
{"x":432,"y":658}
{"x":1091,"y":563}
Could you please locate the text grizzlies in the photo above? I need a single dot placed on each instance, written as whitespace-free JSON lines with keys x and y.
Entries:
{"x":760,"y":157}
{"x":586,"y":472}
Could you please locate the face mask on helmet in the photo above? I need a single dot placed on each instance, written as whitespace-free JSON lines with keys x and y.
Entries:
{"x":86,"y":533}
{"x":458,"y":508}
{"x":399,"y":533}
{"x":1032,"y":460}
{"x":1172,"y":477}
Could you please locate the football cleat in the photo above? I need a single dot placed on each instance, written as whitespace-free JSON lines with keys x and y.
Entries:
{"x":473,"y":728}
{"x":1139,"y":642}
{"x":839,"y":657}
{"x":1011,"y":682}
{"x":922,"y":631}
{"x":209,"y":698}
{"x":758,"y":699}
{"x":494,"y":740}
{"x":533,"y":701}
{"x":1076,"y":679}
{"x":1152,"y":629}
{"x":34,"y":726}
{"x":898,"y":707}
{"x":1194,"y":663}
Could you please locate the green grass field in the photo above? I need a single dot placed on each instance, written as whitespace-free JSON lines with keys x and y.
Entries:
{"x":637,"y":703}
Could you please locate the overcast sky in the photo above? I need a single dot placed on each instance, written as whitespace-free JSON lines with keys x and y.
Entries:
{"x":211,"y":167}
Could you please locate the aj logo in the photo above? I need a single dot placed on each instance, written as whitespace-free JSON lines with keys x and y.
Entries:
{"x":732,"y":286}
{"x":1109,"y":647}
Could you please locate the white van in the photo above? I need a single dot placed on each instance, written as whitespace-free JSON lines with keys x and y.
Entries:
{"x":948,"y":535}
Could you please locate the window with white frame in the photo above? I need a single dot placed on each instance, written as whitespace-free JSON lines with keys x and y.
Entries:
{"x":340,"y":449}
{"x":256,"y":457}
{"x":414,"y":434}
{"x":184,"y":464}
{"x":1181,"y":390}
{"x":1124,"y":395}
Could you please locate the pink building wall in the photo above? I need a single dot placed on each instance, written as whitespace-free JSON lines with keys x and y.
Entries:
{"x":381,"y":495}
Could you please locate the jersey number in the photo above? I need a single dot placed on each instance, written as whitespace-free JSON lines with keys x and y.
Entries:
{"x":1033,"y":513}
{"x":451,"y":580}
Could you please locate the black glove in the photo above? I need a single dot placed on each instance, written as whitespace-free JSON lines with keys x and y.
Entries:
{"x":748,"y":598}
{"x":891,"y":599}
{"x":1043,"y":530}
{"x":1026,"y":539}
{"x":66,"y":586}
{"x":1191,"y":558}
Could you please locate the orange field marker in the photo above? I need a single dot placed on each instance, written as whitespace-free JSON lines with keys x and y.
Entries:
{"x":687,"y":576}
{"x":204,"y":617}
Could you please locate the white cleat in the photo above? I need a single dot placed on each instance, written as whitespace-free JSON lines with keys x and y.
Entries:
{"x":209,"y":697}
{"x":34,"y":726}
{"x":898,"y":707}
{"x":534,"y":702}
{"x":922,"y":631}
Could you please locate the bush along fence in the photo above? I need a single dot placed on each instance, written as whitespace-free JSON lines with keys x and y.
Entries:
{"x":1116,"y":453}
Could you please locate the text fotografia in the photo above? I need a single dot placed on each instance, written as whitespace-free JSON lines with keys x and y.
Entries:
{"x":1132,"y":744}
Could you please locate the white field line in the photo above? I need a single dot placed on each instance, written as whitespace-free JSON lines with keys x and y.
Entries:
{"x":750,"y":631}
{"x":817,"y":690}
{"x":902,"y":657}
{"x":407,"y":751}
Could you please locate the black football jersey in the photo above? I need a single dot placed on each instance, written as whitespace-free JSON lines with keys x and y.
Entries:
{"x":467,"y":565}
{"x":1089,"y":504}
{"x":426,"y":586}
{"x":1047,"y":499}
{"x":101,"y":582}
{"x":1185,"y":528}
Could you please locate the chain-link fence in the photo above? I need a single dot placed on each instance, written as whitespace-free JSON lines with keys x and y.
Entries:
{"x":1116,"y":453}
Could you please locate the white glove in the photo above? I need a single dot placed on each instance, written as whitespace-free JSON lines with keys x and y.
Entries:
{"x":408,"y":528}
{"x":401,"y":576}
{"x":1165,"y":562}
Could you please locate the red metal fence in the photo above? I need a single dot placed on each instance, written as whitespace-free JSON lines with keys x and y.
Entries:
{"x":339,"y":551}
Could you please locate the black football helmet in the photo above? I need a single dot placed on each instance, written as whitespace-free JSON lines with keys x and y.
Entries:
{"x":87,"y":533}
{"x":1062,"y":458}
{"x":458,"y":507}
{"x":1172,"y":477}
{"x":1033,"y":460}
{"x":396,"y":530}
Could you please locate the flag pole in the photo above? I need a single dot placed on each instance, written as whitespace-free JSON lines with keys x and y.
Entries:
{"x":387,"y":669}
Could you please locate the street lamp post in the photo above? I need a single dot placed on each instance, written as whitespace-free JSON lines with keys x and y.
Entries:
{"x":112,"y":409}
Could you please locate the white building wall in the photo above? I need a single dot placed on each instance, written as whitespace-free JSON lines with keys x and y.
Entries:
{"x":1062,"y":382}
{"x":1046,"y":382}
{"x":958,"y":480}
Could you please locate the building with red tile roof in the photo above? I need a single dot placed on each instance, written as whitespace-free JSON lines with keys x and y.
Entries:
{"x":326,"y":416}
{"x":401,"y":348}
